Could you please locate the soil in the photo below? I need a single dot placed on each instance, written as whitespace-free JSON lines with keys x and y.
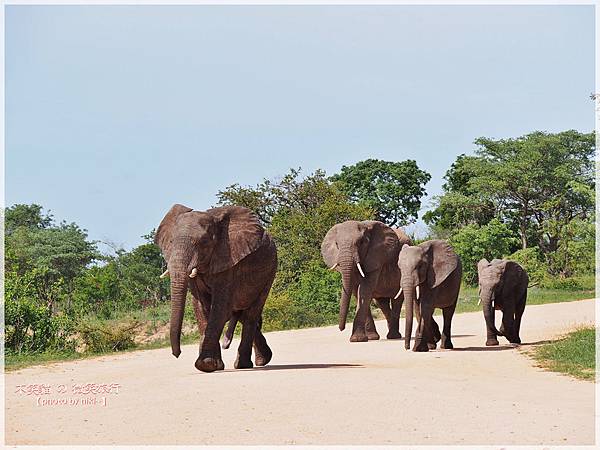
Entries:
{"x":320,"y":389}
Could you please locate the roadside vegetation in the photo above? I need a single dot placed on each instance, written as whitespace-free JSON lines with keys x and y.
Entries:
{"x":574,"y":354}
{"x":530,"y":199}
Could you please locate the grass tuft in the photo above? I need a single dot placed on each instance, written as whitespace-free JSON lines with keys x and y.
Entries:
{"x":574,"y":354}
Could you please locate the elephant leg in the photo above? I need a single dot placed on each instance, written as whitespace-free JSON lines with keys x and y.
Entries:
{"x":363,"y":303}
{"x":262,"y":351}
{"x":448,"y":313}
{"x":201,"y":308}
{"x":235,"y":317}
{"x":435,"y":335}
{"x":508,"y":323}
{"x":518,"y":314}
{"x":201,"y":313}
{"x":210,"y":351}
{"x":249,"y":326}
{"x":392,"y":315}
{"x":370,"y":328}
{"x":424,"y":333}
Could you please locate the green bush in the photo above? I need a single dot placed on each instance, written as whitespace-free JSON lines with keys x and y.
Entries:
{"x":32,"y":328}
{"x":578,"y":283}
{"x":318,"y":290}
{"x":473,"y":242}
{"x":532,"y":261}
{"x":108,"y":336}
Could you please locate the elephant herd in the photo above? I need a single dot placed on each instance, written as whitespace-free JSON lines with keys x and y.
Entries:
{"x":227,"y":261}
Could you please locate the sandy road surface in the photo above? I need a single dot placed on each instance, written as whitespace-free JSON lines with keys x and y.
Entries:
{"x":321,"y":389}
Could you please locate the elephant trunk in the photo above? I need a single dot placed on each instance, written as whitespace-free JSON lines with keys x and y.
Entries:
{"x":346,"y":267}
{"x":489,"y":313}
{"x":408,"y":289}
{"x":179,"y":274}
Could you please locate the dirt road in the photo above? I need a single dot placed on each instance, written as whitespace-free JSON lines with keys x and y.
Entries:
{"x":320,"y":389}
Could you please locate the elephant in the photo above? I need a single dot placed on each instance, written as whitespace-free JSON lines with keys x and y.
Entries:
{"x":503,"y":286}
{"x":228,"y":261}
{"x":365,"y":254}
{"x":431,"y":273}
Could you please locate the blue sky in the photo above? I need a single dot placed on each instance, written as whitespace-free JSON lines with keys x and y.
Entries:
{"x":114,"y":113}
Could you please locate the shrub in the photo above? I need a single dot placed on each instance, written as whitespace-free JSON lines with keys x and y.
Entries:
{"x":532,"y":261}
{"x":32,"y":328}
{"x":473,"y":242}
{"x":108,"y":336}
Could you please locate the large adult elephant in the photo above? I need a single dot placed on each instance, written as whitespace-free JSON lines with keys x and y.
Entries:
{"x":430,"y":278}
{"x":502,"y":286}
{"x":366,"y":253}
{"x":228,"y":262}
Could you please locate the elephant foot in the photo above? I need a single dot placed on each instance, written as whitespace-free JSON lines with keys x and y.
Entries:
{"x":373,"y":336}
{"x":243,"y":363}
{"x":447,"y":344}
{"x":209,"y":364}
{"x":516,"y":340}
{"x":431,"y":345}
{"x":421,"y":347}
{"x":263,"y":358}
{"x":394,"y":335}
{"x":492,"y":342}
{"x":359,"y":338}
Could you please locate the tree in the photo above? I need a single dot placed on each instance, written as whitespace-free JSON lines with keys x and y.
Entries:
{"x":27,"y":216}
{"x":542,"y":180}
{"x":54,"y":256}
{"x":298,"y":212}
{"x":461,"y":204}
{"x":392,"y":189}
{"x":536,"y":184}
{"x":473,"y":242}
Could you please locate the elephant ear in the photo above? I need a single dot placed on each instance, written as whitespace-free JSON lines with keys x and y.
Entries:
{"x":165,"y":229}
{"x":402,"y":237}
{"x":443,"y":261}
{"x":329,"y":249}
{"x":239,"y":233}
{"x":483,"y":263}
{"x":383,"y":245}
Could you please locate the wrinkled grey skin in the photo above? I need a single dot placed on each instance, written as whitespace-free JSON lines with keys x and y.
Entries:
{"x":375,"y":247}
{"x":436,"y":269}
{"x":502,"y":286}
{"x":228,"y":262}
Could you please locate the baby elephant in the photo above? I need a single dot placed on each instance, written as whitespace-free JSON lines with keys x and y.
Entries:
{"x":503,"y":286}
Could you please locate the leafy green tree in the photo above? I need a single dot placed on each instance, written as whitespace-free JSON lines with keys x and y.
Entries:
{"x":298,"y":212}
{"x":537,"y":184}
{"x":541,"y":180}
{"x":392,"y":189}
{"x":461,"y":204}
{"x":474,"y":242}
{"x":27,"y":216}
{"x":53,"y":255}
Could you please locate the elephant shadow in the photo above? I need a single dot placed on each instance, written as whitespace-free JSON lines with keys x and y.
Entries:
{"x":501,"y":347}
{"x":296,"y":367}
{"x":309,"y":366}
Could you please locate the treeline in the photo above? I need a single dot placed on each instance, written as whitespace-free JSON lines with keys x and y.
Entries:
{"x":530,"y":198}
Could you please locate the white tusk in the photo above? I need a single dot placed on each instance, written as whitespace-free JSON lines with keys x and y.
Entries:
{"x":479,"y":301}
{"x":334,"y":266}
{"x":417,"y":289}
{"x":398,"y":294}
{"x":165,"y":273}
{"x":360,"y":269}
{"x":193,"y":273}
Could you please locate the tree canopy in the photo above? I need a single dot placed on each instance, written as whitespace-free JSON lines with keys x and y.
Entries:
{"x":536,"y":184}
{"x":392,"y":189}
